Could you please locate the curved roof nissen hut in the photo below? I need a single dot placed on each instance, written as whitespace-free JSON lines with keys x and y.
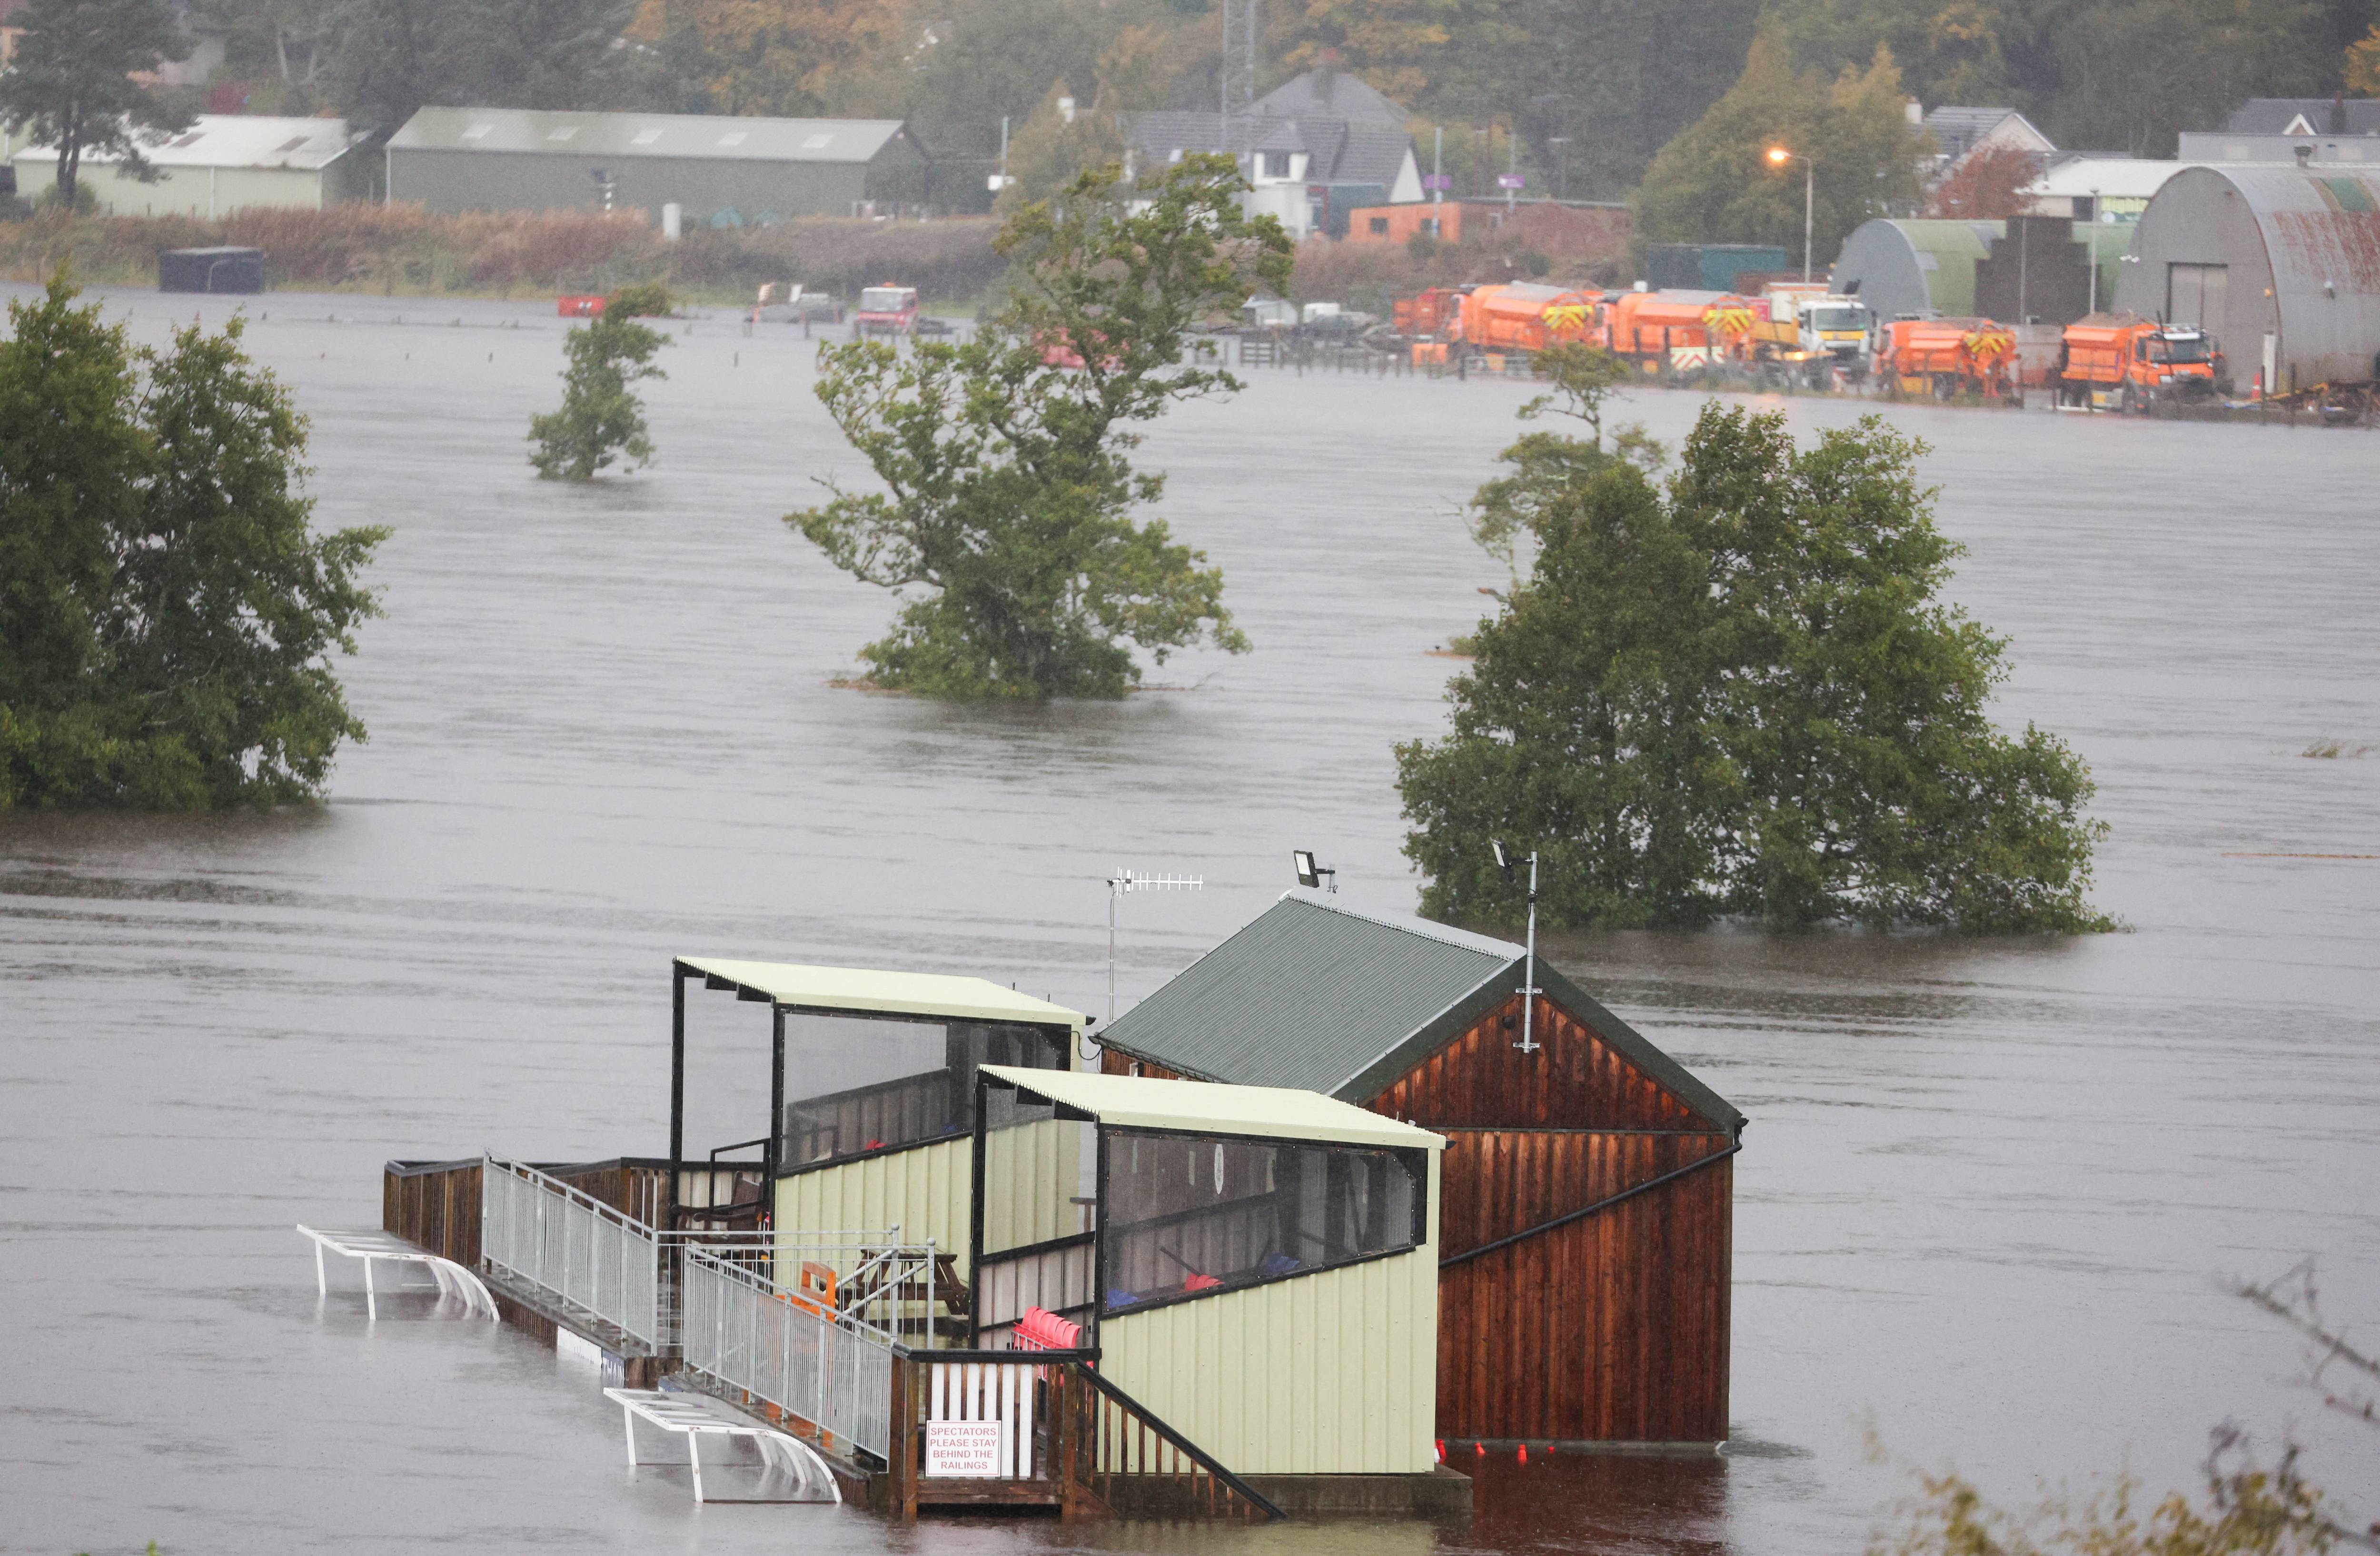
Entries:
{"x":2281,"y":263}
{"x":1905,"y":267}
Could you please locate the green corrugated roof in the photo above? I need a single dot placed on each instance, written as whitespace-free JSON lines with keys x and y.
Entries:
{"x":1954,"y":246}
{"x":699,"y":136}
{"x":1322,"y":996}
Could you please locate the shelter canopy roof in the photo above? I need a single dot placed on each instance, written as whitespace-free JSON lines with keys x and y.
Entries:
{"x":1201,"y":1107}
{"x":931,"y":995}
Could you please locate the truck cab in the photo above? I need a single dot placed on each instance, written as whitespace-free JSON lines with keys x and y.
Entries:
{"x":1814,"y":333}
{"x":887,"y":310}
{"x":2121,"y":362}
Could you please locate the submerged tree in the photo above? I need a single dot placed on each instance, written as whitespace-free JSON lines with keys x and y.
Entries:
{"x":1741,"y":696}
{"x":166,"y":615}
{"x":601,"y":417}
{"x":1008,"y":494}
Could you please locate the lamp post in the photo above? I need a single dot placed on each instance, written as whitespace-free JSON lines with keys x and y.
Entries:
{"x":1778,"y":157}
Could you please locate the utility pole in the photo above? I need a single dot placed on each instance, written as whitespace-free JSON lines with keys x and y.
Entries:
{"x":2091,"y":249}
{"x":1809,"y":212}
{"x":1529,"y":1043}
{"x":1437,"y":179}
{"x":1513,"y":168}
{"x":1237,"y":87}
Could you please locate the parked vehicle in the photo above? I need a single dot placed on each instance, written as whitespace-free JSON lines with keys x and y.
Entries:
{"x":1946,"y":358}
{"x":2121,"y":362}
{"x":887,"y":310}
{"x":1814,"y":334}
{"x":1525,"y":316}
{"x":1678,"y":332}
{"x":1430,"y":314}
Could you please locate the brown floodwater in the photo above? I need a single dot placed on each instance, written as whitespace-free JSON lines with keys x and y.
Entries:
{"x":1989,"y":1189}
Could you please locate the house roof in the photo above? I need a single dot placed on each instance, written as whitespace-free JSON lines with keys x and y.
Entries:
{"x":705,"y":137}
{"x":1338,"y":151}
{"x":2107,"y":177}
{"x":2304,"y":115}
{"x":889,"y":994}
{"x":1198,"y":1107}
{"x":1959,"y":130}
{"x":1315,"y":993}
{"x":1333,"y":94}
{"x":237,"y":140}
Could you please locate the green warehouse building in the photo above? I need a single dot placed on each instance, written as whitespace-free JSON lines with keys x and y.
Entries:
{"x":716,"y":170}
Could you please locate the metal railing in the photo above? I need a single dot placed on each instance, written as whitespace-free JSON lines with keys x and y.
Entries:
{"x":798,"y":1355}
{"x":597,"y":1260}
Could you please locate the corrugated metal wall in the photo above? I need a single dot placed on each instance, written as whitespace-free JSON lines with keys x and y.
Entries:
{"x":1030,"y":1175}
{"x":925,"y":1190}
{"x":1326,"y":1374}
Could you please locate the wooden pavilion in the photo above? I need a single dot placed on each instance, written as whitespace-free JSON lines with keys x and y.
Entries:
{"x":1585,"y":1241}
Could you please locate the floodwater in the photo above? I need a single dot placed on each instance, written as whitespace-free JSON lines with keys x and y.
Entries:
{"x":1988,"y":1190}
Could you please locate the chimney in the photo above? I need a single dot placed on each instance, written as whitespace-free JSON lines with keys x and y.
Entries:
{"x":1914,"y":111}
{"x":2305,"y":154}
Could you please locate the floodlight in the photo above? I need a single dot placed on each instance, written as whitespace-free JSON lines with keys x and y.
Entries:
{"x":1503,"y":859}
{"x":1309,"y":873}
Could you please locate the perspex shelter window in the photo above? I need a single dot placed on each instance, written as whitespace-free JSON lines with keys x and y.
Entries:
{"x":857,"y":1084}
{"x":1186,"y":1214}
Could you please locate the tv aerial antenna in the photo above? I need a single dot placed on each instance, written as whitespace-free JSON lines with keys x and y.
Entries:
{"x":1506,"y":860}
{"x":1123,"y":882}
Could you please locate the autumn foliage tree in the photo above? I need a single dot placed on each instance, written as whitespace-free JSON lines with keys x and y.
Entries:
{"x":1984,"y":185}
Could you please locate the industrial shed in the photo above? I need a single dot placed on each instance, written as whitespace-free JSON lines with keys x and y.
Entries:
{"x":1914,"y":267}
{"x":724,"y":171}
{"x":222,"y":164}
{"x":2281,"y":264}
{"x":1584,"y":1242}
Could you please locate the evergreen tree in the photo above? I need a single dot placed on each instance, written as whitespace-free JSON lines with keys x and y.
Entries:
{"x":166,"y":615}
{"x":1743,"y":697}
{"x":68,"y":85}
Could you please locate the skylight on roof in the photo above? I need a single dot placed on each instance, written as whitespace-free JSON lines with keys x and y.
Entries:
{"x":189,"y":140}
{"x":733,"y":138}
{"x":564,"y":133}
{"x":819,"y":142}
{"x":478,"y":132}
{"x":646,"y":137}
{"x":292,"y":145}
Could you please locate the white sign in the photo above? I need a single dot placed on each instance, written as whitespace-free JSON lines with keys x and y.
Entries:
{"x":964,"y":1448}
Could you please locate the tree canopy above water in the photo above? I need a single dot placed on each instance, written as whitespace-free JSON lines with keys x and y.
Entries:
{"x":1742,"y":696}
{"x":166,"y":614}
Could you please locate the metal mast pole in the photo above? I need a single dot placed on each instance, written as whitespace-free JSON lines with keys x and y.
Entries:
{"x":1529,"y":968}
{"x":1237,"y":88}
{"x":1809,"y":206}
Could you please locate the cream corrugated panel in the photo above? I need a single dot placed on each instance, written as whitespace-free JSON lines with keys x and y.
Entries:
{"x":925,"y":1190}
{"x":1327,"y":1374}
{"x":1030,"y":1176}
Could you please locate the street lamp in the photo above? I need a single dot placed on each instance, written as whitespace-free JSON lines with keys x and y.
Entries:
{"x":1778,"y":157}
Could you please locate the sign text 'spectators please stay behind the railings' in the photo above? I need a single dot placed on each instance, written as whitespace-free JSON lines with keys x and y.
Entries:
{"x":968,"y":1449}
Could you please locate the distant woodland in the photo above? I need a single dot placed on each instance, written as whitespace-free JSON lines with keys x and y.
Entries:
{"x":1593,"y":88}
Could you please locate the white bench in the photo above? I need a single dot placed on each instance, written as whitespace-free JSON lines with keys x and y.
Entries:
{"x":695,"y":1417}
{"x":370,"y":1244}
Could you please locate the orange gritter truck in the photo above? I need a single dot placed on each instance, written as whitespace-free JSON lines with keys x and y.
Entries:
{"x":1950,"y":357}
{"x":1679,"y":331}
{"x":1526,"y":316}
{"x":2121,"y":362}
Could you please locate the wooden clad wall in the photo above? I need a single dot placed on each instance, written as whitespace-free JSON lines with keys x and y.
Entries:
{"x":1613,"y":1328}
{"x":1579,"y":1082}
{"x":434,"y":1206}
